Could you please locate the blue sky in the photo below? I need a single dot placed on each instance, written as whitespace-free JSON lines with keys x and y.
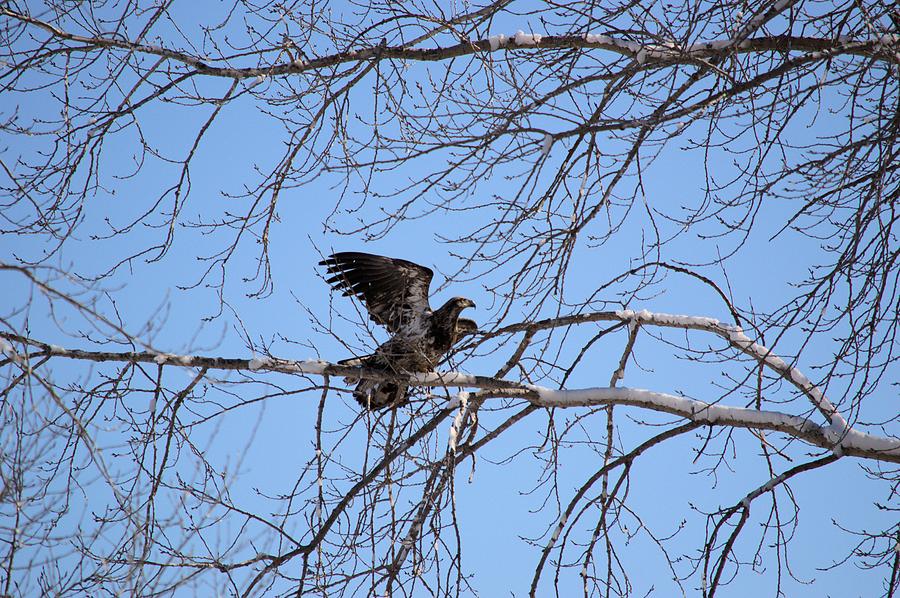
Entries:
{"x":265,"y":443}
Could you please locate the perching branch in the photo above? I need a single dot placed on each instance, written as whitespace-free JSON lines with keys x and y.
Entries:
{"x":837,"y":436}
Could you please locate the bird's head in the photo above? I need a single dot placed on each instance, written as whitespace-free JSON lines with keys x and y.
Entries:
{"x":462,"y":303}
{"x":465,"y":327}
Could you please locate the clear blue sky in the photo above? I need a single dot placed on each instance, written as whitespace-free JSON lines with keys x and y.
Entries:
{"x":268,"y":441}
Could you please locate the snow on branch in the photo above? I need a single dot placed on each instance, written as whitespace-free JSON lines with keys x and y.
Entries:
{"x":733,"y":334}
{"x":737,"y":339}
{"x":841,"y":439}
{"x":844,"y":441}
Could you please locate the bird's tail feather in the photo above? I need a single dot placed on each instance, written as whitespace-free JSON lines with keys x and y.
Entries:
{"x":374,"y":395}
{"x":354,"y":362}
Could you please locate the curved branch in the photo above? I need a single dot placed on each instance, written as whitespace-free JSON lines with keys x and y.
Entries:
{"x":734,"y":335}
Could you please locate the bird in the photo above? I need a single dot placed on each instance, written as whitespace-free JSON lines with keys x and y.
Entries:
{"x":395,"y":293}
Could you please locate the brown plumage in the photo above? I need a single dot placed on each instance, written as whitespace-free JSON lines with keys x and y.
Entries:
{"x":395,"y":293}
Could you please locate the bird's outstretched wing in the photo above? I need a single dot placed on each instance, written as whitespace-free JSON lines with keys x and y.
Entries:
{"x":395,"y":292}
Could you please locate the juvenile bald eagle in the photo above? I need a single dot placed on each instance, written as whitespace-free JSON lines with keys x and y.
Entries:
{"x":395,"y":293}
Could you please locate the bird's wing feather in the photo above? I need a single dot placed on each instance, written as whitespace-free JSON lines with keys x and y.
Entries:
{"x":394,"y":291}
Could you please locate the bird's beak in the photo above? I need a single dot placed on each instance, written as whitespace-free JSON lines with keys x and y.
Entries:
{"x":470,"y":303}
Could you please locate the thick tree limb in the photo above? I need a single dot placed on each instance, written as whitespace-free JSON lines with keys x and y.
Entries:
{"x":837,"y":436}
{"x":881,"y":48}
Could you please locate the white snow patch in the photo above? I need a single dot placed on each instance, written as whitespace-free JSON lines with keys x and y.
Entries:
{"x":597,"y":39}
{"x":527,"y":39}
{"x":460,"y":397}
{"x":443,"y":379}
{"x":313,"y":366}
{"x":259,"y":79}
{"x":258,"y":362}
{"x":546,"y":144}
{"x":761,"y":17}
{"x":839,"y":433}
{"x":838,"y":429}
{"x":307,"y":366}
{"x":161,"y":358}
{"x":662,"y":319}
{"x":498,"y":41}
{"x":868,"y":442}
{"x":735,"y":335}
{"x":680,"y":321}
{"x":696,"y":410}
{"x":454,"y":432}
{"x":641,"y":56}
{"x":185,"y":359}
{"x":800,"y":378}
{"x":7,"y":349}
{"x":719,"y":44}
{"x":462,"y":400}
{"x":56,"y":350}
